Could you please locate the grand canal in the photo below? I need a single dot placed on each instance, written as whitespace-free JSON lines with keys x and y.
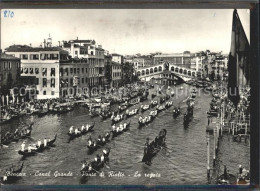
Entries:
{"x":183,"y":162}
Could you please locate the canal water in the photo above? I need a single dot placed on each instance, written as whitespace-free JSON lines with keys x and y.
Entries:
{"x":184,"y":161}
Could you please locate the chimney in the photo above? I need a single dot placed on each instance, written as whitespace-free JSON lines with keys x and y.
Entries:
{"x":44,"y":43}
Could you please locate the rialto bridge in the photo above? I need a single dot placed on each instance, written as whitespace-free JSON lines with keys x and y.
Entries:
{"x":168,"y":71}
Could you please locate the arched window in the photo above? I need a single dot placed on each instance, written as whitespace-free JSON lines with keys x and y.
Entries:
{"x":193,"y":74}
{"x":151,"y":70}
{"x":143,"y":72}
{"x":185,"y":72}
{"x":160,"y":68}
{"x":176,"y":69}
{"x":180,"y":71}
{"x":147,"y":71}
{"x":189,"y":73}
{"x":138,"y":73}
{"x":155,"y":69}
{"x":172,"y":68}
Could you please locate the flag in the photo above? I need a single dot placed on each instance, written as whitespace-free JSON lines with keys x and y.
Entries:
{"x":238,"y":63}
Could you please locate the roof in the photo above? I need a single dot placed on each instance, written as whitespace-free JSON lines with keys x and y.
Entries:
{"x":83,"y":41}
{"x":25,"y":48}
{"x":115,"y":54}
{"x":170,"y":55}
{"x":8,"y":57}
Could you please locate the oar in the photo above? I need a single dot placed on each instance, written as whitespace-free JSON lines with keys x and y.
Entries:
{"x":106,"y":165}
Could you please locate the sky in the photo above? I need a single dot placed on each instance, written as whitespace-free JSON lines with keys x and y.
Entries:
{"x":126,"y":31}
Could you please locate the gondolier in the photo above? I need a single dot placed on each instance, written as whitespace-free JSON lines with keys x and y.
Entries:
{"x":23,"y":146}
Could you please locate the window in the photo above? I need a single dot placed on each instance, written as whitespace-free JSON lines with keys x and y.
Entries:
{"x":82,"y":70}
{"x":52,"y":92}
{"x":9,"y":65}
{"x":43,"y":56}
{"x":26,"y":70}
{"x":31,"y":70}
{"x":71,"y":70}
{"x":44,"y":92}
{"x":24,"y":56}
{"x":21,"y":70}
{"x":37,"y":81}
{"x":44,"y":72}
{"x":86,"y":70}
{"x":36,"y":70}
{"x":37,"y":92}
{"x":78,"y":70}
{"x":5,"y":65}
{"x":75,"y":70}
{"x":53,"y":72}
{"x":34,"y":56}
{"x":92,"y":53}
{"x":53,"y":83}
{"x":82,"y":80}
{"x":17,"y":65}
{"x":44,"y":82}
{"x":71,"y":81}
{"x":76,"y":52}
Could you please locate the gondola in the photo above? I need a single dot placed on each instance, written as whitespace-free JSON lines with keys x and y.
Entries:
{"x":93,"y":113}
{"x":73,"y":135}
{"x":12,"y":176}
{"x":176,"y":111}
{"x":144,"y":108}
{"x":143,"y":123}
{"x":143,"y":98}
{"x":95,"y":166}
{"x":131,"y":113}
{"x":123,"y":107}
{"x":187,"y":116}
{"x":168,"y":104}
{"x":15,"y":138}
{"x":162,"y":100}
{"x":152,"y":150}
{"x":154,"y":103}
{"x":105,"y":115}
{"x":119,"y":120}
{"x":116,"y":133}
{"x":98,"y":144}
{"x":39,"y":149}
{"x":160,"y":108}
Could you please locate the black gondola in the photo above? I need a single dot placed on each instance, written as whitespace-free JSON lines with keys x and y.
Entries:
{"x":154,"y":103}
{"x":116,"y":133}
{"x":105,"y":115}
{"x":12,"y":175}
{"x":73,"y":135}
{"x":98,"y":144}
{"x":131,"y":113}
{"x":176,"y":111}
{"x":144,"y":108}
{"x":152,"y":149}
{"x":93,"y":166}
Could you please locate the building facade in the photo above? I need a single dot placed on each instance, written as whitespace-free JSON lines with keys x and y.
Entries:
{"x":43,"y":63}
{"x":116,"y":70}
{"x":9,"y":76}
{"x":117,"y":58}
{"x":94,"y":55}
{"x":181,"y":59}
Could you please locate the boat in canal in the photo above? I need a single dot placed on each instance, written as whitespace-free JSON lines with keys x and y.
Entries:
{"x":73,"y":135}
{"x":117,"y":118}
{"x":154,"y":147}
{"x":144,"y":107}
{"x":11,"y":175}
{"x":96,"y":165}
{"x":119,"y":131}
{"x":176,"y":111}
{"x":100,"y":142}
{"x":160,"y":108}
{"x":41,"y":148}
{"x":154,"y":103}
{"x":131,"y":113}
